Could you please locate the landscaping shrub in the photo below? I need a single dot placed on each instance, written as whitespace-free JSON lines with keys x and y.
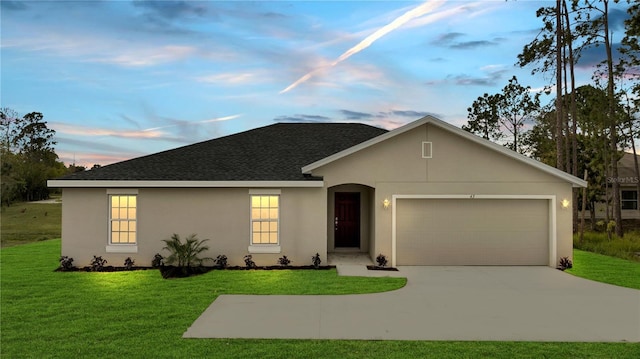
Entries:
{"x":66,"y":263}
{"x":97,"y":264}
{"x":128,"y":263}
{"x":248,"y":261}
{"x":157,"y":261}
{"x":381,"y":260}
{"x":608,"y":227}
{"x":315,"y":260}
{"x":221,"y":261}
{"x":284,"y":261}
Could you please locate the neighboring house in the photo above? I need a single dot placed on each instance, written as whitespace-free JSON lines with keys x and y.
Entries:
{"x":426,"y":193}
{"x":628,"y":180}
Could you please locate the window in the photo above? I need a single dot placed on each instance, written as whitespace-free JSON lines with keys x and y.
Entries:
{"x":629,"y":200}
{"x":122,"y":219}
{"x":264,"y":219}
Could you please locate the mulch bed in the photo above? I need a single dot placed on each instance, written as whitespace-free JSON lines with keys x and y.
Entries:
{"x":392,"y":269}
{"x":103,"y":269}
{"x":176,"y":272}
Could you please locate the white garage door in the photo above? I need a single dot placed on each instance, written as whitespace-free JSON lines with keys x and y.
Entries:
{"x":472,"y":232}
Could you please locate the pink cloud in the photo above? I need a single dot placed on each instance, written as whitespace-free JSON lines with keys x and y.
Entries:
{"x":95,"y":131}
{"x":88,"y":159}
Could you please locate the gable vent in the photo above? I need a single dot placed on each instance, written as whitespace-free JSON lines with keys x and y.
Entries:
{"x":427,"y":150}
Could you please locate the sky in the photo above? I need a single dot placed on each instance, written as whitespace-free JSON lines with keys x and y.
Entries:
{"x":123,"y":79}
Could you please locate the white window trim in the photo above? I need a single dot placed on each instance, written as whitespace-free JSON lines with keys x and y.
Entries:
{"x":265,"y":192}
{"x":122,"y":191}
{"x":264,"y":247}
{"x":120,"y":247}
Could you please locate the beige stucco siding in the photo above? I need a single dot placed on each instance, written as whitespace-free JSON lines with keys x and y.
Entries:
{"x":458,"y":167}
{"x":455,"y":160}
{"x":392,"y":160}
{"x":84,"y":222}
{"x":219,"y":214}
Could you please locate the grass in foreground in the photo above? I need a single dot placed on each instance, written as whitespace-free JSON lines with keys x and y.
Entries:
{"x":624,"y":273}
{"x":25,"y":222}
{"x":48,"y":314}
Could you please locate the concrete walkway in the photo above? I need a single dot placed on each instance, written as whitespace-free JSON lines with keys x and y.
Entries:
{"x":439,"y":303}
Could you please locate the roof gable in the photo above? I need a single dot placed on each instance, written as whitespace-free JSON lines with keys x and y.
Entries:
{"x":627,"y":167}
{"x":576,"y":182}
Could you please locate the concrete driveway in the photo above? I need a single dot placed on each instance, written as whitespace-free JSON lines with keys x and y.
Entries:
{"x":440,"y":303}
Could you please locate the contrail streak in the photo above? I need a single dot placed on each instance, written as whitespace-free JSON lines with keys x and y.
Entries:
{"x":219,"y":119}
{"x":424,"y":8}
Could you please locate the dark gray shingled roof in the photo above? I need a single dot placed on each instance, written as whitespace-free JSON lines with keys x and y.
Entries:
{"x":271,"y":153}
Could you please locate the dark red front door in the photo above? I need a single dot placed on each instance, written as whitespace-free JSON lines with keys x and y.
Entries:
{"x":347,"y":219}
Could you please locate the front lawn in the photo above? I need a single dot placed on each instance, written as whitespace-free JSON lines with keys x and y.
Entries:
{"x":47,"y":314}
{"x":601,"y":268}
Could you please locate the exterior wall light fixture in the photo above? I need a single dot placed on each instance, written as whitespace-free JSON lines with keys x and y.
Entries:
{"x":565,"y":203}
{"x":386,"y":203}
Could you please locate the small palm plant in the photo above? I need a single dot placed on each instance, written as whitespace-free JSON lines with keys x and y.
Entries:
{"x":186,"y":254}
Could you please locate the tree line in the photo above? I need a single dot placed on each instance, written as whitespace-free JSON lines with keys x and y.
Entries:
{"x":584,"y":129}
{"x":27,"y":157}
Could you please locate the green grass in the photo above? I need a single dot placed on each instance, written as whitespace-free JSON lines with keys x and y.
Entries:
{"x":30,"y":222}
{"x":597,"y":242}
{"x":47,"y":314}
{"x":601,"y":268}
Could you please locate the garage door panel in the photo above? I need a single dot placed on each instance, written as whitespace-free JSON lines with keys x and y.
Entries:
{"x":472,"y":232}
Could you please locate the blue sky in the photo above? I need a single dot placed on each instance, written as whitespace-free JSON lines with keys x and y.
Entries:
{"x":121,"y":79}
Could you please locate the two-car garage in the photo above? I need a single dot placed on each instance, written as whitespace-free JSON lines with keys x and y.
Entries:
{"x":473,"y":230}
{"x":439,"y":196}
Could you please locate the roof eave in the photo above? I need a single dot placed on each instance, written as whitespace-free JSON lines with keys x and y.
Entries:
{"x":181,"y":184}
